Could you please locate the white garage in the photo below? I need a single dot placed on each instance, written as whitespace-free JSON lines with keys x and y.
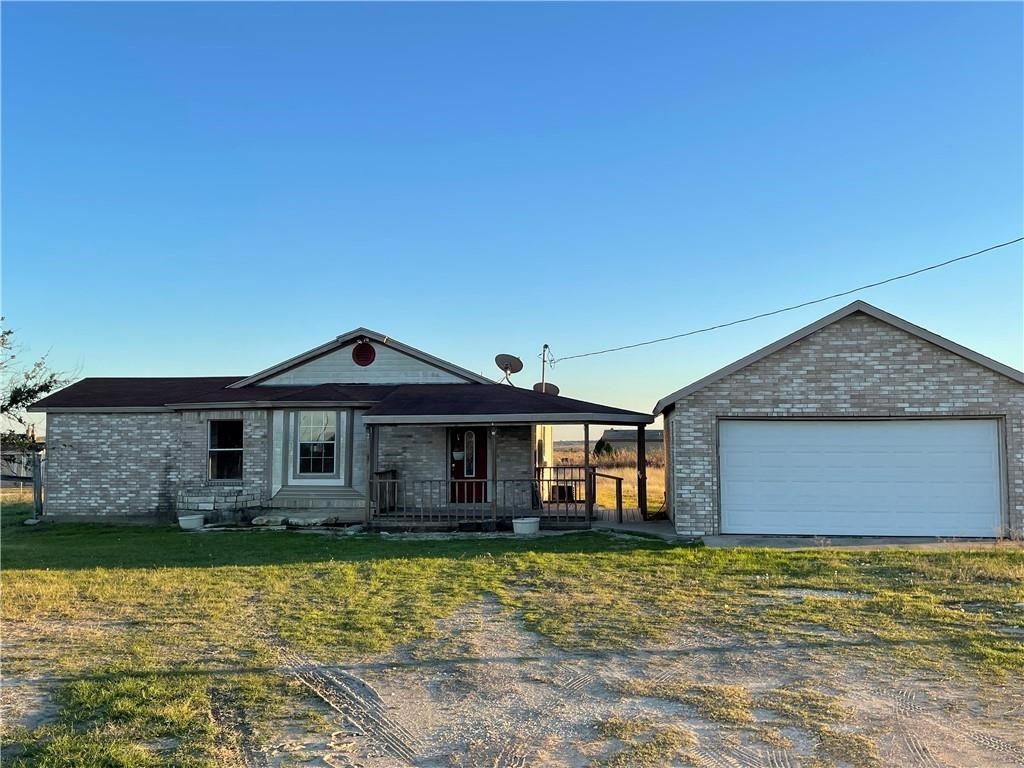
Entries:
{"x":859,"y":424}
{"x":921,"y":477}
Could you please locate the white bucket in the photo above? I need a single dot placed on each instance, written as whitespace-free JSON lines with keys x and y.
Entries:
{"x":524,"y":526}
{"x":190,"y":522}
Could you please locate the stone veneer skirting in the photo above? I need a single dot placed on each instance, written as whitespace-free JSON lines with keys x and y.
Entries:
{"x":217,"y":502}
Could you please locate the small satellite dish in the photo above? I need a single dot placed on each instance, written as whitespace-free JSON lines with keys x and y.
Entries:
{"x":547,"y":388}
{"x":509,"y":364}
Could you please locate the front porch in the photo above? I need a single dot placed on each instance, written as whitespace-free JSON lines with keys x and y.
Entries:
{"x":561,"y":496}
{"x":486,"y":459}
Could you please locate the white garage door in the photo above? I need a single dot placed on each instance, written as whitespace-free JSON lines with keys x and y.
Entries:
{"x":871,"y":478}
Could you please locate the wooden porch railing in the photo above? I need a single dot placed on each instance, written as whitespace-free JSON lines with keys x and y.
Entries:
{"x":561,"y":496}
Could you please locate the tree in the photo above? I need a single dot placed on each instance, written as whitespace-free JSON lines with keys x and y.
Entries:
{"x":20,"y":386}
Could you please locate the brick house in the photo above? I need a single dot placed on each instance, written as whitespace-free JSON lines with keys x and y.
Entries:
{"x":858,"y":424}
{"x":363,"y":426}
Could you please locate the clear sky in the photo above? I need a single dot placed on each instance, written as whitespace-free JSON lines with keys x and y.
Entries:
{"x":211,"y":188}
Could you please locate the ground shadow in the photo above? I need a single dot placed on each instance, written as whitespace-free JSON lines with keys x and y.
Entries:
{"x":77,"y":546}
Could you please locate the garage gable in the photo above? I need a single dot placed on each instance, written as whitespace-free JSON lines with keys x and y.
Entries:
{"x":860,"y":335}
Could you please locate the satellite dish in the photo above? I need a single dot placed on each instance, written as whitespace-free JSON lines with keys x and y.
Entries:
{"x":547,"y":388}
{"x":508,"y":363}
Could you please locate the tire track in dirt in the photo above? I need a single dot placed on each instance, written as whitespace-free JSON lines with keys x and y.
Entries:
{"x":512,"y":754}
{"x":350,"y":696}
{"x":355,"y":700}
{"x":779,"y":758}
{"x":231,"y":718}
{"x":922,"y":756}
{"x":769,"y":758}
{"x":716,"y":758}
{"x":572,"y":680}
{"x":907,"y":709}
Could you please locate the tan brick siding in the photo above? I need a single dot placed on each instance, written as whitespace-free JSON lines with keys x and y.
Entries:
{"x":134,"y":464}
{"x":856,"y":367}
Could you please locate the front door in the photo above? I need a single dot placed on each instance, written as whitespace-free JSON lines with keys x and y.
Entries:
{"x":468,"y":459}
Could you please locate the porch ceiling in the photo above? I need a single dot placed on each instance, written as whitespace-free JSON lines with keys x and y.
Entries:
{"x":491,"y":404}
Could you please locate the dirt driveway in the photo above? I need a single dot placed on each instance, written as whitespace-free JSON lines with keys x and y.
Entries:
{"x":487,"y":692}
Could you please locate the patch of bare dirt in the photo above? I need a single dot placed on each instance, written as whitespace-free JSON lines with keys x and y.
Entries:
{"x":487,"y":692}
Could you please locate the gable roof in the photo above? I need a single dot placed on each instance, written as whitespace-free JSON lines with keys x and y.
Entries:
{"x":348,"y":338}
{"x":472,"y":403}
{"x":817,"y":325}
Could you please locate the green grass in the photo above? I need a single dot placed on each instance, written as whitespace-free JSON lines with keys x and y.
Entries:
{"x":729,"y":704}
{"x":640,"y":742}
{"x":163,"y":619}
{"x":823,"y":716}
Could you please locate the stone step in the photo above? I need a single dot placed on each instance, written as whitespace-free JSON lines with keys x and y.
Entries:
{"x":308,"y":519}
{"x":319,"y":498}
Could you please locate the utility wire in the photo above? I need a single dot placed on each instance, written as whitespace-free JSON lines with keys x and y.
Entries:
{"x":791,"y":308}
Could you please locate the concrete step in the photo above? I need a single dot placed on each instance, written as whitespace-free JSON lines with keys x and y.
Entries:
{"x":318,"y":498}
{"x":308,"y":518}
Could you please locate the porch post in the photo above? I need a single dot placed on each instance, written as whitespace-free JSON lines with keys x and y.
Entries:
{"x":371,"y":468}
{"x":492,"y":451}
{"x":641,"y":470}
{"x":587,"y":485}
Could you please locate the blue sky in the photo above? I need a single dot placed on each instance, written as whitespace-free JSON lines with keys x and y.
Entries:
{"x":209,"y":189}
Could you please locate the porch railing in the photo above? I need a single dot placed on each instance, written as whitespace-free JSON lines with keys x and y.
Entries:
{"x":561,"y":496}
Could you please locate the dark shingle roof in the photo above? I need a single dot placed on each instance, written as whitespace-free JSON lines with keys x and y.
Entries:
{"x":424,"y":403}
{"x":304,"y":393}
{"x":132,"y":392}
{"x":405,"y":403}
{"x":629,"y":435}
{"x":203,"y":390}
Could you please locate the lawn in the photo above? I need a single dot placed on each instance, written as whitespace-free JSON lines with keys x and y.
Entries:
{"x":135,"y":646}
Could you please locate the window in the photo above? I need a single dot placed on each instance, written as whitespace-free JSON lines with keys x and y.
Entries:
{"x":317,"y":438}
{"x":469,"y":459}
{"x":226,"y":450}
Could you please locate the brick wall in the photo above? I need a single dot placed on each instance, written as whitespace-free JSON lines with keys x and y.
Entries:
{"x":134,"y":464}
{"x":515,"y":453}
{"x":420,"y":453}
{"x":858,"y":366}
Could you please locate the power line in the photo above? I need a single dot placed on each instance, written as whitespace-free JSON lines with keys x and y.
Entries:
{"x":791,"y":308}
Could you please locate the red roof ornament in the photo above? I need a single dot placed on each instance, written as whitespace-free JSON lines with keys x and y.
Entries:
{"x":363,"y":353}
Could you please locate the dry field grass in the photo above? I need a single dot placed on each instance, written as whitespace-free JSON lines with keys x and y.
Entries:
{"x":16,"y":495}
{"x":135,"y":647}
{"x":622,"y":463}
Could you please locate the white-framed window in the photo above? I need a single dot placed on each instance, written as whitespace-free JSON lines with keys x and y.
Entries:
{"x":317,"y":442}
{"x":469,"y":457}
{"x":225,"y":449}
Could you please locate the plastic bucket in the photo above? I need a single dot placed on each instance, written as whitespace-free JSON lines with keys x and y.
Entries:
{"x":524,"y":526}
{"x":190,"y":522}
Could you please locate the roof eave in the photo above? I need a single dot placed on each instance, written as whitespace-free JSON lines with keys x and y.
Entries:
{"x":349,"y":337}
{"x":857,"y":306}
{"x":99,"y":409}
{"x":512,"y":418}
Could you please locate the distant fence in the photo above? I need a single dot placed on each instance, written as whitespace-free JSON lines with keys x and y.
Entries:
{"x":24,"y":477}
